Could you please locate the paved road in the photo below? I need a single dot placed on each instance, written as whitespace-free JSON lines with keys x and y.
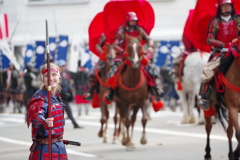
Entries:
{"x":167,"y":138}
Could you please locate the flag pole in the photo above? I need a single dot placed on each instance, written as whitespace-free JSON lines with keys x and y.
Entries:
{"x":49,"y":94}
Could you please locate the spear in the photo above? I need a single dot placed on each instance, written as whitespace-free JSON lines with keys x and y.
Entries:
{"x":49,"y":95}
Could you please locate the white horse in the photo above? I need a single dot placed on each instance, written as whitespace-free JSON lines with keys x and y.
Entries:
{"x":191,"y":83}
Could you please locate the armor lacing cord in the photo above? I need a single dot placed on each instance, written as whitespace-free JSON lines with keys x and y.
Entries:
{"x":134,"y":88}
{"x":100,"y":80}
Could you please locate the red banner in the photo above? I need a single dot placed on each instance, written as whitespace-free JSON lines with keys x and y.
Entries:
{"x":95,"y":29}
{"x":115,"y":11}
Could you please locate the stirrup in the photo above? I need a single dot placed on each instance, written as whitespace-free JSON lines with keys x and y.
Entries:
{"x":204,"y":104}
{"x":109,"y":96}
{"x":87,"y":96}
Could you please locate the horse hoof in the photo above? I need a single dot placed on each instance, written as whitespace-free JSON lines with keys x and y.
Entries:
{"x":185,"y":120}
{"x":100,"y":134}
{"x":130,"y":146}
{"x":208,"y":159}
{"x":143,"y":141}
{"x":115,"y":140}
{"x":192,"y":120}
{"x":105,"y":140}
{"x":124,"y":141}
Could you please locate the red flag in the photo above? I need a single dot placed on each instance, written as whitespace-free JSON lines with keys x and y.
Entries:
{"x":95,"y":29}
{"x":188,"y":38}
{"x":115,"y":11}
{"x":4,"y":30}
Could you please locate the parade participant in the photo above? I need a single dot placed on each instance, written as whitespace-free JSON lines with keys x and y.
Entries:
{"x":131,"y":29}
{"x":13,"y":86}
{"x":30,"y":82}
{"x":66,"y":92}
{"x":223,"y":29}
{"x":38,"y":113}
{"x":81,"y":86}
{"x":92,"y":82}
{"x":3,"y":89}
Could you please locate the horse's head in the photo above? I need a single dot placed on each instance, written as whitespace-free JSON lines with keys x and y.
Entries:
{"x":134,"y":52}
{"x":111,"y":54}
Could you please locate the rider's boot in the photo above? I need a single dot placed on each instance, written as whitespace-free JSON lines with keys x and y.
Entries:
{"x":110,"y":94}
{"x":89,"y":94}
{"x":158,"y":93}
{"x":204,"y":101}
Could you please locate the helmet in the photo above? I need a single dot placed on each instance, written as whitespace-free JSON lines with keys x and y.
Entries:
{"x":221,"y":2}
{"x":61,"y":63}
{"x":131,"y":16}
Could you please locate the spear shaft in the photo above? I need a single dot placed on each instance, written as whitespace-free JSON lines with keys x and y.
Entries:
{"x":49,"y":94}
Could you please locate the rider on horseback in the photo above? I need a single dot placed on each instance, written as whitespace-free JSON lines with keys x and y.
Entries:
{"x":130,"y":29}
{"x":223,"y":29}
{"x":100,"y":64}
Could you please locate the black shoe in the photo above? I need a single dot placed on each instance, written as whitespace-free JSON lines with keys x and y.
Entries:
{"x":110,"y":95}
{"x":80,"y":127}
{"x":203,"y":103}
{"x":158,"y":93}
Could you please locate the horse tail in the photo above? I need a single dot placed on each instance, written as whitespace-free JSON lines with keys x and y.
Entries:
{"x":221,"y":111}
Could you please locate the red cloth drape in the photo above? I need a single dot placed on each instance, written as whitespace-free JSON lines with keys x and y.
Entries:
{"x":115,"y":11}
{"x":95,"y":29}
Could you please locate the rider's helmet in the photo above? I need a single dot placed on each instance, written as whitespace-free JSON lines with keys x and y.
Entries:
{"x":131,"y":16}
{"x":221,"y":2}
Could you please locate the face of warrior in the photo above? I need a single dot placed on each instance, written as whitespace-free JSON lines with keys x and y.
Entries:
{"x":226,"y":9}
{"x":54,"y":79}
{"x":132,"y":23}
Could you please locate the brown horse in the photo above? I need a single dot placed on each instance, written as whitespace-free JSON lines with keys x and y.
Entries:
{"x":132,"y":93}
{"x":103,"y":88}
{"x":229,"y":101}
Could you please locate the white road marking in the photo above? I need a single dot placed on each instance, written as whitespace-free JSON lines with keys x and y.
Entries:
{"x":69,"y":151}
{"x":166,"y":132}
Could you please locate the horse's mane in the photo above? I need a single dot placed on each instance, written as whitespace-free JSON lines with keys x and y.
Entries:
{"x":225,"y":63}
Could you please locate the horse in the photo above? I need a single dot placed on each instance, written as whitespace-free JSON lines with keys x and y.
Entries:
{"x":225,"y":99}
{"x":191,"y":82}
{"x":132,"y":92}
{"x":102,"y":89}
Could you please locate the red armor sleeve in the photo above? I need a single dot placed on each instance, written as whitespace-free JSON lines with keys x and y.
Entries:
{"x":212,"y":31}
{"x":119,"y":38}
{"x":238,"y":24}
{"x":146,"y":37}
{"x":100,"y":43}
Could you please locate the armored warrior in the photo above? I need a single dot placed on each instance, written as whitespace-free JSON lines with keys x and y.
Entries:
{"x":81,"y":86}
{"x":223,"y":30}
{"x":38,"y":117}
{"x":131,"y":29}
{"x":92,"y":82}
{"x":13,"y":86}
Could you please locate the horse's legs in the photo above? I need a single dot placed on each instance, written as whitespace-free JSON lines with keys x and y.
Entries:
{"x":230,"y":135}
{"x":183,"y":98}
{"x":191,"y":104}
{"x":116,"y":132}
{"x":133,"y":120}
{"x":102,"y":120}
{"x":105,"y":133}
{"x":129,"y":144}
{"x":208,"y":128}
{"x":144,"y":122}
{"x":233,"y":117}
